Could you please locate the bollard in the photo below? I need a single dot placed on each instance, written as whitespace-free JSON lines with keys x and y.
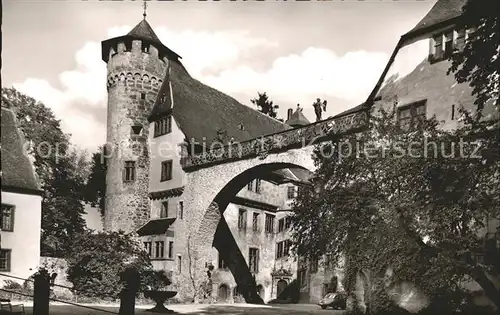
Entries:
{"x":131,"y":278}
{"x":41,"y":296}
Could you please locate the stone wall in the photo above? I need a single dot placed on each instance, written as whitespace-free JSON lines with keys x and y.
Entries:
{"x":134,"y":78}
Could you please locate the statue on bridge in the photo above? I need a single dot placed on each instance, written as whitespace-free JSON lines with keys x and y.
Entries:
{"x":319,"y":108}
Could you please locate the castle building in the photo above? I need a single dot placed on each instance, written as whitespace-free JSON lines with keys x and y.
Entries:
{"x":157,"y":113}
{"x":21,"y":212}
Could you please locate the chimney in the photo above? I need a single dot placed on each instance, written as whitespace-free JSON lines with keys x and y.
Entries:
{"x":289,"y":114}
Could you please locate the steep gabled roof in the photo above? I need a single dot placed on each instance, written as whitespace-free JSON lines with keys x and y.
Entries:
{"x":297,"y":119}
{"x":202,"y":111}
{"x":17,"y":171}
{"x":443,"y":11}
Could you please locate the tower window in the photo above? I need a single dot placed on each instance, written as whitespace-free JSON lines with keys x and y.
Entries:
{"x":181,"y":210}
{"x":166,"y":170}
{"x":179,"y":264}
{"x":453,"y":112}
{"x":222,"y":263}
{"x":129,"y":171}
{"x":163,"y":126}
{"x":145,"y":48}
{"x":143,"y":96}
{"x":136,"y":130}
{"x":255,"y":222}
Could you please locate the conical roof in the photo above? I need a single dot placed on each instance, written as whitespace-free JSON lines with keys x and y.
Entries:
{"x":297,"y":119}
{"x":144,"y":31}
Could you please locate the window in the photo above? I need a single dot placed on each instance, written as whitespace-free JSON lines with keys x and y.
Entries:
{"x":7,"y":218}
{"x":269,"y":223}
{"x":181,"y":209}
{"x":164,"y":210}
{"x":147,"y":248}
{"x":145,"y":47}
{"x":410,"y":115}
{"x":242,"y":219}
{"x":166,"y":170}
{"x":448,"y":45}
{"x":302,"y":278}
{"x":453,"y":112}
{"x":170,"y":249}
{"x":255,"y":222}
{"x":163,"y":126}
{"x":143,"y":96}
{"x":5,"y":259}
{"x":222,"y":263}
{"x":159,"y":249}
{"x":255,"y":185}
{"x":290,"y":192}
{"x":286,"y":247}
{"x":258,"y":183}
{"x":313,"y":265}
{"x":281,"y":225}
{"x":253,"y":260}
{"x":136,"y":130}
{"x":129,"y":173}
{"x":288,"y":223}
{"x":179,"y":263}
{"x":438,"y":47}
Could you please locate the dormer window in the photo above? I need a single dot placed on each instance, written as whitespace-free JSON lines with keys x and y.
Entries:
{"x":443,"y":44}
{"x":163,"y":126}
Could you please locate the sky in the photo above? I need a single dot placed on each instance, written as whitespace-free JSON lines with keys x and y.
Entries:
{"x":293,"y":51}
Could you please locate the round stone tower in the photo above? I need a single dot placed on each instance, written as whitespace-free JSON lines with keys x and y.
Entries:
{"x":136,"y":65}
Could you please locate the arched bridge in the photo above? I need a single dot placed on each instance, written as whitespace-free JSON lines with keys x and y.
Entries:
{"x":214,"y":177}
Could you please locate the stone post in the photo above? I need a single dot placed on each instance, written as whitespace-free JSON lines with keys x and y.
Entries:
{"x":41,"y":296}
{"x":131,"y":278}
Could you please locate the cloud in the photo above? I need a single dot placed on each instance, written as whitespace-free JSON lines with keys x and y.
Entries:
{"x":220,"y":59}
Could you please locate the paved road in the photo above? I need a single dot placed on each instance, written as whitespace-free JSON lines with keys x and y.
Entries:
{"x":227,"y":309}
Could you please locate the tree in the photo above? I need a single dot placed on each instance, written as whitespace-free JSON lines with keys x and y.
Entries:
{"x":96,"y":260}
{"x":403,"y":201}
{"x":478,"y":62}
{"x":61,"y":169}
{"x":95,"y":189}
{"x":265,"y":105}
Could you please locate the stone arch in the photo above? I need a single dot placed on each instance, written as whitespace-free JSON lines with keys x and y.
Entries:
{"x":145,"y":78}
{"x":137,"y":76}
{"x":153,"y":81}
{"x":208,"y":193}
{"x":129,"y":76}
{"x":122,"y":76}
{"x":116,"y":78}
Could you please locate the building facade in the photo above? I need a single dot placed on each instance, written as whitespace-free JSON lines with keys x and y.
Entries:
{"x":21,"y":214}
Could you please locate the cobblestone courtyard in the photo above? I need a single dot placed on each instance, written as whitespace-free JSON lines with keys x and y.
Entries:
{"x":228,"y":309}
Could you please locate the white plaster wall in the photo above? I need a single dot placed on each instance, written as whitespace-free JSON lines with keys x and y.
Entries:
{"x":24,"y":241}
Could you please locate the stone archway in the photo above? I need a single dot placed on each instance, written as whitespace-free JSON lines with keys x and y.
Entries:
{"x":280,"y":287}
{"x":223,"y":293}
